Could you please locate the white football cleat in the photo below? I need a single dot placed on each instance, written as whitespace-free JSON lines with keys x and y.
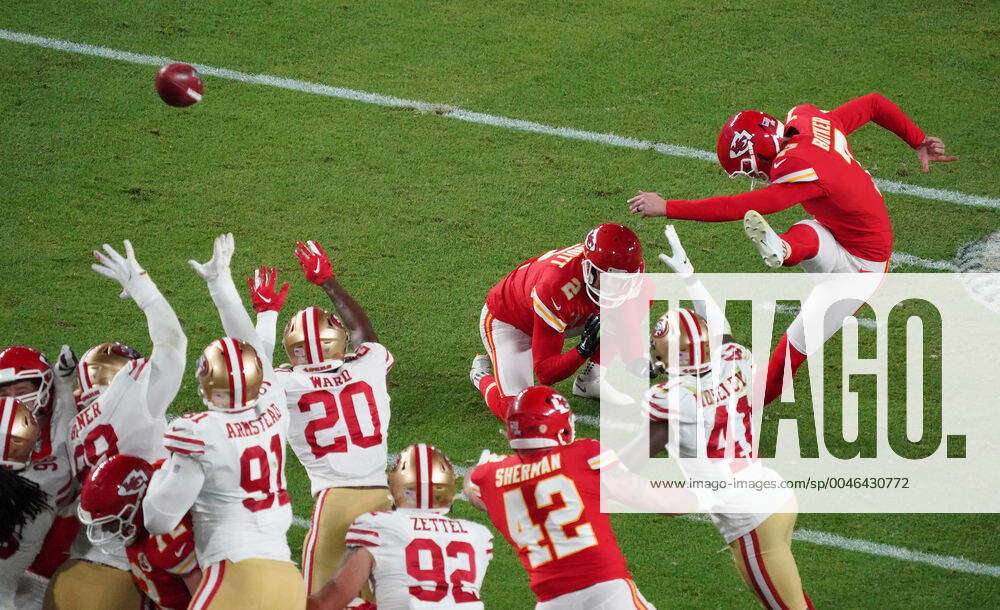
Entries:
{"x":588,"y":382}
{"x":481,"y":367}
{"x":770,"y":247}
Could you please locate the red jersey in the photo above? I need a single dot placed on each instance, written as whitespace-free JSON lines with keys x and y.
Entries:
{"x":816,"y":168}
{"x":549,"y":287}
{"x":158,"y":562}
{"x":548,"y":508}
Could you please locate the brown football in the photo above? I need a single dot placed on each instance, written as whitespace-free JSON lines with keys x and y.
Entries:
{"x":179,"y":85}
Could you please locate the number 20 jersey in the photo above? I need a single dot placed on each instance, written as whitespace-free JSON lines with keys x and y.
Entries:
{"x":423,"y":558}
{"x":548,"y":508}
{"x":339,"y":418}
{"x":243,"y":510}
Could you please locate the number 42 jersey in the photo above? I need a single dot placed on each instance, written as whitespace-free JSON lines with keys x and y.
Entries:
{"x":423,"y":558}
{"x":339,"y":416}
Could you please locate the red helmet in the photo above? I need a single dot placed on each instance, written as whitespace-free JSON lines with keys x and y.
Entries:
{"x":748,"y":143}
{"x":111,"y":499}
{"x":612,"y":248}
{"x":20,"y":363}
{"x":540,"y":417}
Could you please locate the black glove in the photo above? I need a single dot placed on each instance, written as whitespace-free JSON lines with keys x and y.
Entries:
{"x":590,"y":340}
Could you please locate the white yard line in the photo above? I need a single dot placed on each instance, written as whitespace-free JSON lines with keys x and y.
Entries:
{"x":469,"y":116}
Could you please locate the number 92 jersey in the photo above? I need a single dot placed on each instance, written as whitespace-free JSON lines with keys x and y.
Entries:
{"x":549,"y":509}
{"x":423,"y":558}
{"x":339,"y":417}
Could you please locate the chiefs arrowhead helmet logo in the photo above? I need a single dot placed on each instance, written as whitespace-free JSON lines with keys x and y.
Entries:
{"x":591,"y":240}
{"x":741,"y":144}
{"x":559,"y":404}
{"x":133,"y":484}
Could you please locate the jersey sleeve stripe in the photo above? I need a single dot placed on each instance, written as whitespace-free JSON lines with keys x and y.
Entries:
{"x":355,"y":530}
{"x":177,"y":449}
{"x":803,"y":175}
{"x":656,"y":409}
{"x":655,"y":417}
{"x":359,"y":542}
{"x":546,"y":314}
{"x":137,"y":371}
{"x":186,"y":566}
{"x":193,"y":441}
{"x":602,"y":460}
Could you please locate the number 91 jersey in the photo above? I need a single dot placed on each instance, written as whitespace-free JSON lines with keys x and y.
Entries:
{"x":423,"y":558}
{"x":339,"y":417}
{"x":549,"y":509}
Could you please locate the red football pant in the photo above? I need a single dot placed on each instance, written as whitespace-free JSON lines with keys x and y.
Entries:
{"x":803,"y":243}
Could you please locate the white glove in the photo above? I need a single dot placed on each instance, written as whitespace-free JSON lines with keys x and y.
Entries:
{"x":218,"y":265}
{"x":489,"y":456}
{"x":124,"y":270}
{"x":678,"y":259}
{"x":66,"y":364}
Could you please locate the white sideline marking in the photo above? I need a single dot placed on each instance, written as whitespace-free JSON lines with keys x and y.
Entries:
{"x":900,"y":258}
{"x":468,"y":116}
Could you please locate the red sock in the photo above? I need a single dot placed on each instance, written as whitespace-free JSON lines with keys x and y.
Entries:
{"x":809,"y":602}
{"x":496,"y":401}
{"x":803,"y":243}
{"x":776,"y":367}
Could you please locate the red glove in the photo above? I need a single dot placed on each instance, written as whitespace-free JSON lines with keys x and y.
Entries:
{"x":262,"y":290}
{"x":314,"y":262}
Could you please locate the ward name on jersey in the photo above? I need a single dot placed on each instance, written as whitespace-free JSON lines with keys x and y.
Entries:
{"x":423,"y":558}
{"x":243,"y":509}
{"x":548,"y":507}
{"x":339,"y":415}
{"x":549,"y":286}
{"x":715,"y":437}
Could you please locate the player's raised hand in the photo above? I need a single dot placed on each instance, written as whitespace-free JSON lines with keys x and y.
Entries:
{"x":222,"y":255}
{"x":931,"y":150}
{"x":315,"y":264}
{"x":262,"y":292}
{"x":66,"y":363}
{"x":648,"y":204}
{"x":678,"y":259}
{"x":123,"y":269}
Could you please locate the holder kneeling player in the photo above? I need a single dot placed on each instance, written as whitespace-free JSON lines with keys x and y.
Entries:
{"x":703,"y":410}
{"x":416,"y":555}
{"x":226,"y":465}
{"x":566,"y":545}
{"x":164,"y":567}
{"x":339,"y":407}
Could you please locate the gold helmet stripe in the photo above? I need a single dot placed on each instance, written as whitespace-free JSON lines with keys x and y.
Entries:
{"x":237,"y":382}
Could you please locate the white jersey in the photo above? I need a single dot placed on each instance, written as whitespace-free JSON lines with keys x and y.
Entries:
{"x":423,"y":558}
{"x":242,"y":510}
{"x":339,"y":418}
{"x":119,"y":421}
{"x":715,"y":439}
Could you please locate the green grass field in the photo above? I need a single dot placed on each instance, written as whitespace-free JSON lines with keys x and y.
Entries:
{"x":422,"y":214}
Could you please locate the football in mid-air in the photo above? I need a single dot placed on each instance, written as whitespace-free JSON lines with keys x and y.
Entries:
{"x":179,"y":85}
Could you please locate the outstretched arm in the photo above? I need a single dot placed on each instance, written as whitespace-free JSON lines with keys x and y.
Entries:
{"x":876,"y":108}
{"x":704,"y":305}
{"x":169,"y":342}
{"x":773,"y":198}
{"x":550,"y":362}
{"x":267,"y":302}
{"x":235,"y":320}
{"x":172,"y":491}
{"x":318,"y":270}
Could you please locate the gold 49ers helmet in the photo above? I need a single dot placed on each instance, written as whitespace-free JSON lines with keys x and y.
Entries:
{"x":423,"y":477}
{"x":230,"y":375}
{"x":314,"y":335}
{"x":18,"y":434}
{"x":98,"y":366}
{"x":690,"y":332}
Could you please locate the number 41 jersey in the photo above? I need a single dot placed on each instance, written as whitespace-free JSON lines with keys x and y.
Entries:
{"x":339,"y":417}
{"x":549,"y":508}
{"x":423,"y":558}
